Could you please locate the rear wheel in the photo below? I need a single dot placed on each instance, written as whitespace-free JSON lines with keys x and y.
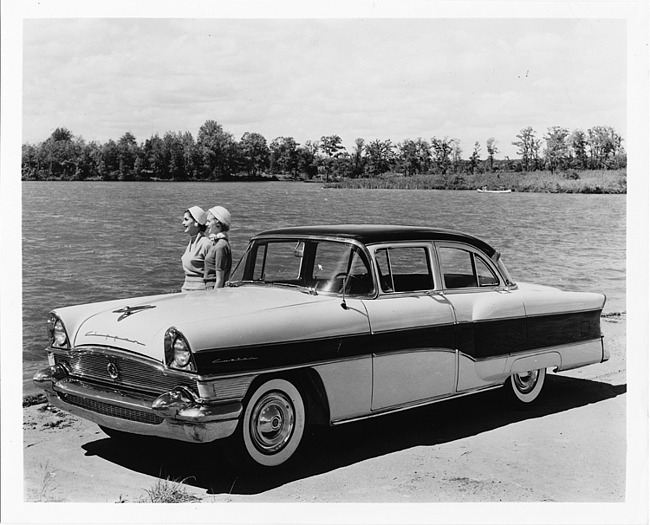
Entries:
{"x":526,"y":386}
{"x":272,"y":425}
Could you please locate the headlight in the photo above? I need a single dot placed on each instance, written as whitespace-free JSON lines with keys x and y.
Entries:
{"x":56,"y":332}
{"x":177,"y":351}
{"x":181,"y":352}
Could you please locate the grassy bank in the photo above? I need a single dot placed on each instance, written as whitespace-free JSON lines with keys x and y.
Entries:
{"x":588,"y":181}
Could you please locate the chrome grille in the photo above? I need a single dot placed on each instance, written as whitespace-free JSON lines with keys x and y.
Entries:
{"x":134,"y":373}
{"x":112,"y":410}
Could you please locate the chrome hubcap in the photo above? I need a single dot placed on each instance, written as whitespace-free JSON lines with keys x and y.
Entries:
{"x":526,"y":382}
{"x":272,"y":422}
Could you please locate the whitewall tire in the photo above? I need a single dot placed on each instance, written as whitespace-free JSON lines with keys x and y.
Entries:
{"x":526,"y":386}
{"x":273,"y":423}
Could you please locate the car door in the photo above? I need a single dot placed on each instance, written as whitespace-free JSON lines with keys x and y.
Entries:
{"x":412,"y":329}
{"x":490,"y":318}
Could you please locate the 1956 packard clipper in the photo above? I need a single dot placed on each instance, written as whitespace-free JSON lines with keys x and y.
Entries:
{"x":323,"y":324}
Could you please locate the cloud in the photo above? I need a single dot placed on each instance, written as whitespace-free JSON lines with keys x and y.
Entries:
{"x":371,"y":78}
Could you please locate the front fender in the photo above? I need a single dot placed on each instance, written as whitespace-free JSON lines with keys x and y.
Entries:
{"x":319,"y":320}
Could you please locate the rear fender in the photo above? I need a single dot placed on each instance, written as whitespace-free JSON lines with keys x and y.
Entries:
{"x":535,"y":362}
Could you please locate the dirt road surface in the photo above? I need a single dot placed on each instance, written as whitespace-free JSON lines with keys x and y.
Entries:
{"x":569,"y":447}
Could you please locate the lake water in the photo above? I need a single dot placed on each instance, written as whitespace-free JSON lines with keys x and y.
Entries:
{"x":93,"y":241}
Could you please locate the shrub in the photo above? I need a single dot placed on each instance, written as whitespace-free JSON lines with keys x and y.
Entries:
{"x":571,"y":174}
{"x":166,"y":491}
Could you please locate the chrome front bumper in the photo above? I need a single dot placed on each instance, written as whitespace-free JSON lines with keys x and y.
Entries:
{"x":175,"y":415}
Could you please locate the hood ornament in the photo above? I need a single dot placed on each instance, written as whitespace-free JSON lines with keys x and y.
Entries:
{"x":128,"y":310}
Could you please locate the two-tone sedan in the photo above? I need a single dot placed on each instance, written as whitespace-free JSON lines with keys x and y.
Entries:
{"x":318,"y":324}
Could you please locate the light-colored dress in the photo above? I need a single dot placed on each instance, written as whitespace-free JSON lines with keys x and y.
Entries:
{"x":193,"y":261}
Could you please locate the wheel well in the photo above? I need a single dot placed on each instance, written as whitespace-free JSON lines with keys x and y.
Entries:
{"x":311,"y":387}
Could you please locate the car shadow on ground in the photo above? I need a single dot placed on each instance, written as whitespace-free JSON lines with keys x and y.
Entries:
{"x":208,"y":466}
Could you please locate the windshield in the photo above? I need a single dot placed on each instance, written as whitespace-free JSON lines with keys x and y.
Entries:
{"x":314,"y":265}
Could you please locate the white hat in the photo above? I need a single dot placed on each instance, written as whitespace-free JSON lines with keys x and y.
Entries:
{"x":222,"y":215}
{"x":198,"y":214}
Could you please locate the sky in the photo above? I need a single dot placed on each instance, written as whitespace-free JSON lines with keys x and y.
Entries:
{"x":373,"y":78}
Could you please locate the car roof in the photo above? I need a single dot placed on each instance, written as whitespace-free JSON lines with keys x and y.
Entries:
{"x":375,"y":233}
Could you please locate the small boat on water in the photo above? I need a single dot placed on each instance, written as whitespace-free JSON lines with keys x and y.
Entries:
{"x":485,"y":190}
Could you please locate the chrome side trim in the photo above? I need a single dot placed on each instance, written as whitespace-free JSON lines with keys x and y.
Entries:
{"x":416,"y":351}
{"x":535,"y":351}
{"x":412,"y":328}
{"x":401,"y":408}
{"x":450,"y":292}
{"x":563,"y":312}
{"x":259,"y":371}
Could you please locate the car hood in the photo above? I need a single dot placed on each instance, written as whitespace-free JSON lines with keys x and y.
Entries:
{"x":223,"y":318}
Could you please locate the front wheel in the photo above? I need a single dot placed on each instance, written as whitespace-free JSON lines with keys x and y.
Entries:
{"x":273,"y":424}
{"x":526,"y":386}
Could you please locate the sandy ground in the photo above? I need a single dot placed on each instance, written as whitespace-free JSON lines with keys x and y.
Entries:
{"x":569,"y":447}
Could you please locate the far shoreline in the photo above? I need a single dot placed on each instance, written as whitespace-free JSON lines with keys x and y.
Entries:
{"x":569,"y":181}
{"x":603,"y":182}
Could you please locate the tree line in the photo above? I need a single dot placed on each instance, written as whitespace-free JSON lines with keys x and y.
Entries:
{"x":217,"y":155}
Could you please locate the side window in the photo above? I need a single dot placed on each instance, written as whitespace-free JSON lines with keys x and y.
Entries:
{"x":457,"y":270}
{"x":385,"y":279}
{"x":404,"y":269}
{"x":485,"y":274}
{"x":464,"y":269}
{"x":359,"y":266}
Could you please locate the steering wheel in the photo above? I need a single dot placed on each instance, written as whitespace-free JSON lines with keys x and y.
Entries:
{"x":328,"y":286}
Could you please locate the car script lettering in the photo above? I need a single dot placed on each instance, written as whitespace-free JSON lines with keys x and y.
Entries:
{"x":113,"y":337}
{"x":234,"y":359}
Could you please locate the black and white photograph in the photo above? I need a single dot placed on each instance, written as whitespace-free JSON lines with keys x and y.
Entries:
{"x":363,"y":262}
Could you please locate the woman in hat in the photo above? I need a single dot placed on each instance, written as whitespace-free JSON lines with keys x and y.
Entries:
{"x":218,"y":261}
{"x":194,"y":224}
